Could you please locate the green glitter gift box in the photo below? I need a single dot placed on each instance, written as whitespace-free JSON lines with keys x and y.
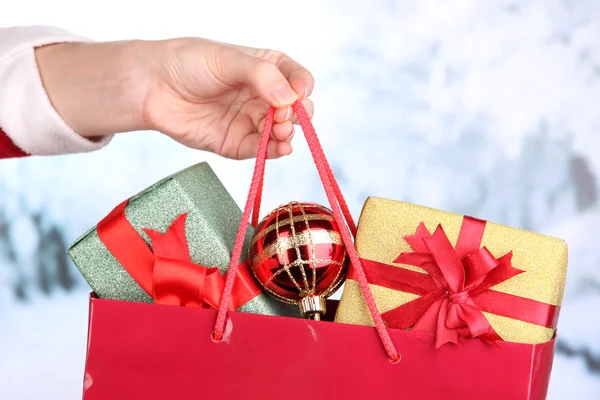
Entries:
{"x":211,"y":219}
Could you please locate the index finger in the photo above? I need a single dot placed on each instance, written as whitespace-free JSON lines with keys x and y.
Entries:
{"x":301,"y":80}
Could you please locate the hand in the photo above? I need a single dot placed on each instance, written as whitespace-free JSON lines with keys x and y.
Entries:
{"x":204,"y":94}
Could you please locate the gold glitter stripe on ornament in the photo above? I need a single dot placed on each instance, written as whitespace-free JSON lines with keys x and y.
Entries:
{"x":296,"y":263}
{"x":297,"y":218}
{"x":312,"y":256}
{"x":308,"y":206}
{"x":298,"y":253}
{"x":286,"y":243}
{"x":280,"y":251}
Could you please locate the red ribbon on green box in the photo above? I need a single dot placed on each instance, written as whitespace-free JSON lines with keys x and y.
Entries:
{"x":166,"y":272}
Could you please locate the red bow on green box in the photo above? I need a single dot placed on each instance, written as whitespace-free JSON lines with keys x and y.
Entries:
{"x":166,"y":272}
{"x":457,"y":288}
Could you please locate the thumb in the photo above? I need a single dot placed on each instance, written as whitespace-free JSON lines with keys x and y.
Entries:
{"x":237,"y":67}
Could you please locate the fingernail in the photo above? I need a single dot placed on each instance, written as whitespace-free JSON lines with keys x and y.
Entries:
{"x":288,"y":114}
{"x":291,"y":135}
{"x":284,"y":94}
{"x":305,"y":92}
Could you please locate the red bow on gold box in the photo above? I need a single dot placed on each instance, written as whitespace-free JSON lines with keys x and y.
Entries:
{"x":473,"y":289}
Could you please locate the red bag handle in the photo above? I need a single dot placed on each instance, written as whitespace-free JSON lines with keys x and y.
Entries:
{"x":336,"y":201}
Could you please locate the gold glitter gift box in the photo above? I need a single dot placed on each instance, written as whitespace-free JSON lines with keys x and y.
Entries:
{"x":211,"y":226}
{"x":388,"y":228}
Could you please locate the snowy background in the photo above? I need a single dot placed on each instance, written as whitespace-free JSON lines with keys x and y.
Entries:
{"x":486,"y":108}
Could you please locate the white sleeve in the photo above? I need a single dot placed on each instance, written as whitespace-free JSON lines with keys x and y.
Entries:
{"x":26,"y":115}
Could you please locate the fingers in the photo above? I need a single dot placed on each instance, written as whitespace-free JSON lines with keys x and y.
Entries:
{"x":257,"y":109}
{"x":310,"y":109}
{"x":237,"y":67}
{"x":249,"y":148}
{"x":283,"y":114}
{"x":301,"y":80}
{"x":299,"y":77}
{"x":308,"y":105}
{"x":278,"y":79}
{"x":283,"y":131}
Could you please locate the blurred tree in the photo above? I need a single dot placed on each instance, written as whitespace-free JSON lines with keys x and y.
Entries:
{"x":44,"y":267}
{"x":586,"y":190}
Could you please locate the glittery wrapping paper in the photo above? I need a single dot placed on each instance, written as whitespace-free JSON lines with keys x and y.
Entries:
{"x":211,"y":227}
{"x":384,"y":223}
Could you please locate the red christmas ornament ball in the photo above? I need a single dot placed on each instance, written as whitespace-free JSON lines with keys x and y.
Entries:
{"x":297,"y":253}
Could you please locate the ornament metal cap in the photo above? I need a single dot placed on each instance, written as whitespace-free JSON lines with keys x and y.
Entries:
{"x":313,"y":307}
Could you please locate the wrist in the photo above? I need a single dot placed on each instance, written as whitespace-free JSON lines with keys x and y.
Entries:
{"x":97,"y":88}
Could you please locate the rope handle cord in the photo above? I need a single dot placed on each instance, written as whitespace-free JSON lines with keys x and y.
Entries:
{"x":338,"y":206}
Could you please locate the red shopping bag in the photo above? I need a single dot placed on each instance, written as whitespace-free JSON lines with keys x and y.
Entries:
{"x":153,"y":351}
